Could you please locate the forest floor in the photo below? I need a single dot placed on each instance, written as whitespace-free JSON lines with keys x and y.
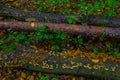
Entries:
{"x":88,"y":50}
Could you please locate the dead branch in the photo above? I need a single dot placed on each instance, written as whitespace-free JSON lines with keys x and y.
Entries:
{"x":74,"y":29}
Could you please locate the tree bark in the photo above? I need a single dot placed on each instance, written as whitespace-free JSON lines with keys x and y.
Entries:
{"x":57,"y":18}
{"x":28,"y":58}
{"x":68,"y":28}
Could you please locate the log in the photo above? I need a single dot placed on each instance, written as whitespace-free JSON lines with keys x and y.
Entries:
{"x":68,"y":28}
{"x":57,"y":18}
{"x":28,"y":58}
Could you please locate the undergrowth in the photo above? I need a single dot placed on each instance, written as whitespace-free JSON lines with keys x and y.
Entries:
{"x":57,"y":38}
{"x":99,"y":8}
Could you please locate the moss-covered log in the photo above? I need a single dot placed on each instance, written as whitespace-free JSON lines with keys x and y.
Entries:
{"x":57,"y":18}
{"x":26,"y":57}
{"x":74,"y":29}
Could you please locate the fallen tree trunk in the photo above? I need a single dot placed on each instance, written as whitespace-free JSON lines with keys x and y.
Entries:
{"x":57,"y":18}
{"x":74,"y":29}
{"x":28,"y":58}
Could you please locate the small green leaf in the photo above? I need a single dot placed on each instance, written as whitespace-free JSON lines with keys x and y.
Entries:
{"x":27,"y":42}
{"x":10,"y":36}
{"x":117,"y":54}
{"x":83,"y":4}
{"x":1,"y":41}
{"x":20,"y":37}
{"x":9,"y":48}
{"x":46,"y":36}
{"x":51,"y":37}
{"x":28,"y":72}
{"x":31,"y":36}
{"x":111,"y":13}
{"x":98,"y":5}
{"x":55,"y":78}
{"x":40,"y":35}
{"x":42,"y":7}
{"x":89,"y":9}
{"x":44,"y":77}
{"x":79,"y":5}
{"x":72,"y":20}
{"x":80,"y":40}
{"x":56,"y":48}
{"x":3,"y":46}
{"x":38,"y":2}
{"x":112,"y":3}
{"x":63,"y":36}
{"x":95,"y":51}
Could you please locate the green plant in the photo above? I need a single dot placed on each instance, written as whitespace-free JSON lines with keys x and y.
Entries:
{"x":10,"y":36}
{"x":62,"y":1}
{"x":83,"y":5}
{"x":98,"y":5}
{"x":95,"y":51}
{"x":89,"y":9}
{"x":72,"y":20}
{"x":51,"y":37}
{"x":54,"y":78}
{"x":65,"y":11}
{"x":73,"y":40}
{"x":117,"y":54}
{"x":55,"y":48}
{"x":49,"y":4}
{"x":113,"y":51}
{"x":112,"y":3}
{"x":95,"y":8}
{"x":5,"y":47}
{"x":42,"y":7}
{"x":110,"y":13}
{"x":42,"y":77}
{"x":80,"y":41}
{"x":60,"y":35}
{"x":2,"y":41}
{"x":41,"y":32}
{"x":38,"y":1}
{"x":20,"y":36}
{"x":8,"y":48}
{"x":27,"y":41}
{"x":28,"y":72}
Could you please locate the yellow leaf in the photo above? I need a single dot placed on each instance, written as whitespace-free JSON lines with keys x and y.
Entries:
{"x":9,"y":71}
{"x":34,"y":47}
{"x":4,"y":79}
{"x":32,"y":24}
{"x":31,"y":77}
{"x":28,"y":78}
{"x":21,"y":79}
{"x":73,"y":78}
{"x":95,"y":60}
{"x":1,"y":59}
{"x":108,"y":44}
{"x":23,"y":75}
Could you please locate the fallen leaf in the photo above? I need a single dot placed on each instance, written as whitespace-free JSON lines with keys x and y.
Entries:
{"x":31,"y":77}
{"x":73,"y":78}
{"x":32,"y":24}
{"x":23,"y":75}
{"x":95,"y":60}
{"x":1,"y":59}
{"x":108,"y":44}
